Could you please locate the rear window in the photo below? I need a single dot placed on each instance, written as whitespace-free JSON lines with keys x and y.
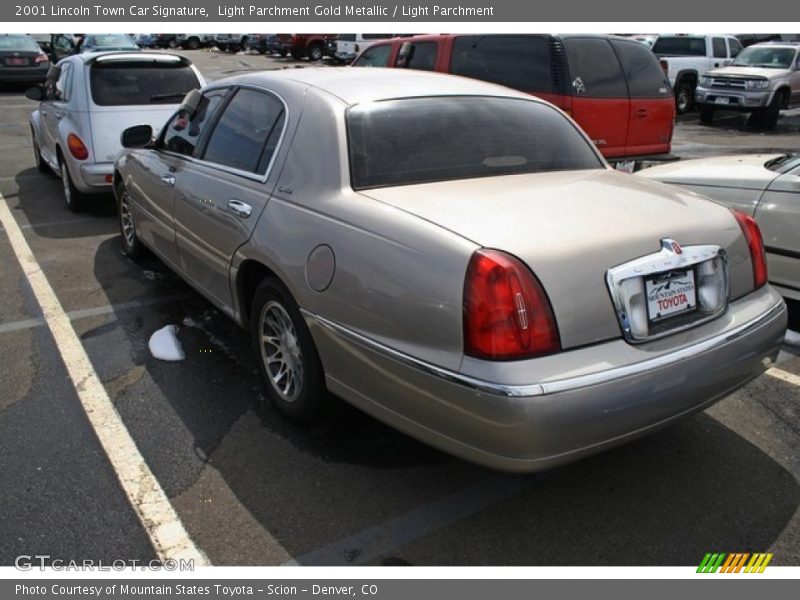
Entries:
{"x":418,"y":140}
{"x":22,"y":43}
{"x":521,"y":62}
{"x":646,"y":78}
{"x":116,"y":83}
{"x":680,"y":46}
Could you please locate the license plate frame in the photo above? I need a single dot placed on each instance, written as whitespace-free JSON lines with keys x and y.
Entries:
{"x":15,"y":61}
{"x":722,"y":100}
{"x":678,"y":308}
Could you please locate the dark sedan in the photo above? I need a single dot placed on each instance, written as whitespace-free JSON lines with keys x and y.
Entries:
{"x":22,"y":60}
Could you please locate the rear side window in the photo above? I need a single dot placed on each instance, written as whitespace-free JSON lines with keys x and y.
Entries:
{"x":594,"y":68}
{"x":521,"y":62}
{"x":720,"y":51}
{"x":736,"y":47}
{"x":680,"y":46}
{"x":116,"y":83}
{"x":423,"y":56}
{"x":246,"y":134}
{"x":418,"y":140}
{"x":645,"y":76}
{"x":374,"y":56}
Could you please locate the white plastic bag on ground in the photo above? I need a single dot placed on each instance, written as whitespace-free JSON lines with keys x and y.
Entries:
{"x":164,"y":344}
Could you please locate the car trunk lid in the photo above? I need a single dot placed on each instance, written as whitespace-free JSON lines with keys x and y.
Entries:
{"x":570,"y":228}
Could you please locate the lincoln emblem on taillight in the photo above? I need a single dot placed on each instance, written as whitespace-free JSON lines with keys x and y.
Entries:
{"x":522,"y":310}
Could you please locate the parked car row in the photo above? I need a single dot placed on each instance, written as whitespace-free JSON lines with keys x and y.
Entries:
{"x":451,"y":263}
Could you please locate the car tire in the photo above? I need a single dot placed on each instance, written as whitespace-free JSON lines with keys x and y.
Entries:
{"x":297,"y":55}
{"x":131,"y":244}
{"x":283,"y":53}
{"x":192,"y":43}
{"x":75,"y":199}
{"x":769,"y":118}
{"x":315,"y":52}
{"x":706,"y":114}
{"x":287,"y":358}
{"x":172,"y":44}
{"x":37,"y":156}
{"x":684,"y":97}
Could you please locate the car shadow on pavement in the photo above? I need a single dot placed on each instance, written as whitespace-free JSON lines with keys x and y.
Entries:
{"x":40,"y":197}
{"x":244,"y":479}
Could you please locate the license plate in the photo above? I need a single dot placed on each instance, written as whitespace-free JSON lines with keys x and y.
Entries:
{"x":722,"y":100}
{"x":669,"y":294}
{"x":17,"y":62}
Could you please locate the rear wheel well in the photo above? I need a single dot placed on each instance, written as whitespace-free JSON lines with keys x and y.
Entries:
{"x":784,"y":94}
{"x":250,"y":274}
{"x":689,"y":77}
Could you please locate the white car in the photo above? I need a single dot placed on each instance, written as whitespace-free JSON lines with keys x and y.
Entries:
{"x":764,"y":186}
{"x":89,"y":99}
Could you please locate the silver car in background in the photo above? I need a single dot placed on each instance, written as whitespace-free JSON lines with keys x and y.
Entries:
{"x":461,"y":263}
{"x":88,"y":100}
{"x":764,"y":186}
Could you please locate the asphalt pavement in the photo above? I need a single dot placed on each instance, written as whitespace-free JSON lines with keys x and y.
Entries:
{"x":253,"y":489}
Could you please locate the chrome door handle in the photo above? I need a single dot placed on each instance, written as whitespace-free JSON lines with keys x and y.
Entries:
{"x":168,"y":180}
{"x":240,"y":208}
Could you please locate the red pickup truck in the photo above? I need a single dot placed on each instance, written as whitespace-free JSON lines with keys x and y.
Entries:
{"x":299,"y":45}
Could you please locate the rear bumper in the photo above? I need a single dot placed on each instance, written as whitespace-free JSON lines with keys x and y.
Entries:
{"x":542,"y":424}
{"x":23,"y":74}
{"x":91,"y":178}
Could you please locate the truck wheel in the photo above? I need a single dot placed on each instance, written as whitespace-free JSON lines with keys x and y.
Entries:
{"x":706,"y":114}
{"x":773,"y":111}
{"x":192,"y":43}
{"x":283,"y":53}
{"x":684,"y":97}
{"x":287,"y":358}
{"x":172,"y":43}
{"x":315,"y":52}
{"x":131,"y":246}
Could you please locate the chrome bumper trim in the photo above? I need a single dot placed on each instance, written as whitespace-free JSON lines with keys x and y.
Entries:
{"x":560,"y":385}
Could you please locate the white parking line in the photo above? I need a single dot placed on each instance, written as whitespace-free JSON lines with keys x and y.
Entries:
{"x":784,"y":376}
{"x":85,"y":313}
{"x":159,"y":519}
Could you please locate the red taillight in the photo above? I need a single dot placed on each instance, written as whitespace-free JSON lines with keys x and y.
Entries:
{"x":506,"y":313}
{"x":41,"y":58}
{"x":758,"y":257}
{"x":76,"y":147}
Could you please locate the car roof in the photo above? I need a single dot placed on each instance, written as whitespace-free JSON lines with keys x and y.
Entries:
{"x":354,"y":85}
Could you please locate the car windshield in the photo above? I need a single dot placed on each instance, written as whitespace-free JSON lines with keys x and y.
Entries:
{"x":118,"y":83}
{"x":110,"y":40}
{"x":680,"y":46}
{"x":21,"y":43}
{"x":418,"y":140}
{"x":764,"y":56}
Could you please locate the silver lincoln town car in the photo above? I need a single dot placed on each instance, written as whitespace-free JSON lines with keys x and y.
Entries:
{"x":452,"y":257}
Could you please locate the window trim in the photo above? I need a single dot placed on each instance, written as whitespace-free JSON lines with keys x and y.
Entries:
{"x":204,"y":138}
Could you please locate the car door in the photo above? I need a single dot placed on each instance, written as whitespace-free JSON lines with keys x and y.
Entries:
{"x":652,"y":112}
{"x":795,"y":80}
{"x":55,"y":108}
{"x":778,"y":216}
{"x":223,"y":194}
{"x":155,"y":172}
{"x":600,"y":101}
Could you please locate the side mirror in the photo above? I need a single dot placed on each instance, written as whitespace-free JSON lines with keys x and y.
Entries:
{"x":138,"y":136}
{"x":34,"y":93}
{"x":403,"y":55}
